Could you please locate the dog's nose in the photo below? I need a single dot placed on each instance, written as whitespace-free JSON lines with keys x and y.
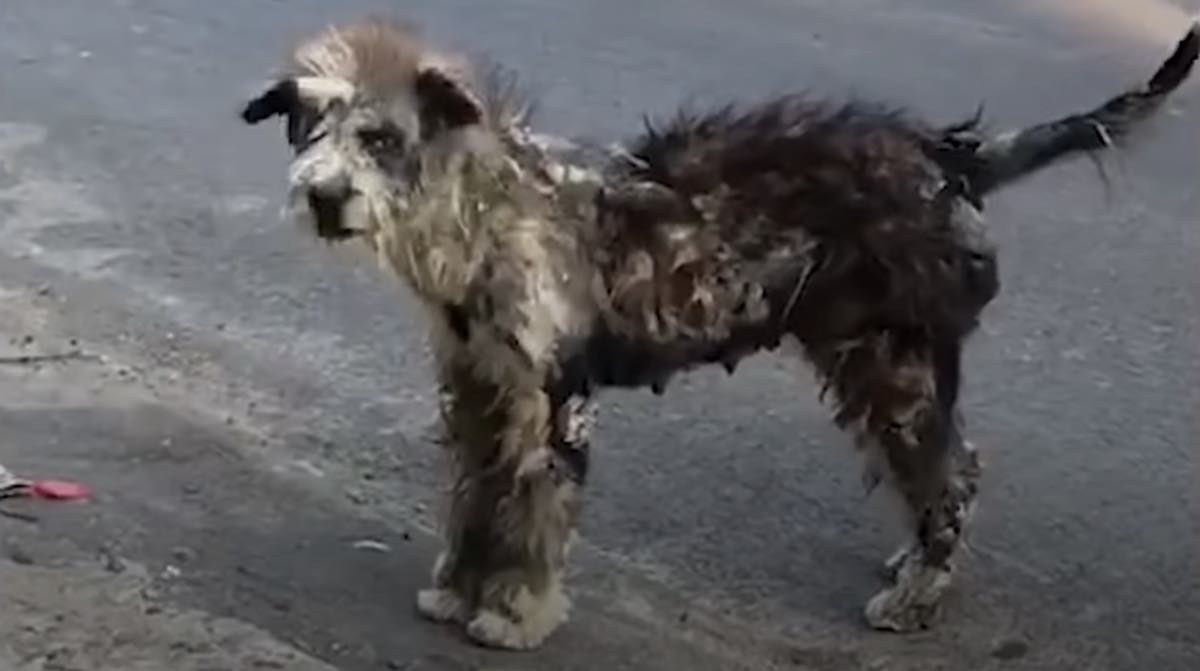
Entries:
{"x":326,"y":202}
{"x":331,"y":190}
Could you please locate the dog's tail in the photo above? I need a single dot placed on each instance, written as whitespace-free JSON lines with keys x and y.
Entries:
{"x":1008,"y":157}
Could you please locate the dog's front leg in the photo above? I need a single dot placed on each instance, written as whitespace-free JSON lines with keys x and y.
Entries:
{"x":532,"y":510}
{"x":513,"y":512}
{"x":472,"y":420}
{"x":533,"y":523}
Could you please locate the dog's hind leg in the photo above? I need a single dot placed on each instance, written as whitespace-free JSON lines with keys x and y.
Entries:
{"x":967,"y":469}
{"x":936,"y":472}
{"x":900,"y":391}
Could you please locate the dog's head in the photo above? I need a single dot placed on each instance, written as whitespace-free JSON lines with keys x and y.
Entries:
{"x":368,"y":107}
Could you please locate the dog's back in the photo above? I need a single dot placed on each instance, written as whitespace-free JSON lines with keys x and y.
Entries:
{"x":798,"y":216}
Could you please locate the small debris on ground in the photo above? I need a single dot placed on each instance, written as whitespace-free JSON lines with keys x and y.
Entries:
{"x":372,"y":545}
{"x":1009,"y":649}
{"x":12,"y":486}
{"x":27,"y":359}
{"x":60,"y":490}
{"x":17,"y":515}
{"x":17,"y":555}
{"x":111,"y":561}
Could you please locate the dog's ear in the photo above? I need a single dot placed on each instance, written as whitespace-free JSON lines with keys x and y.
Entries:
{"x":445,"y":97}
{"x":289,"y":96}
{"x":302,"y":101}
{"x":281,"y":99}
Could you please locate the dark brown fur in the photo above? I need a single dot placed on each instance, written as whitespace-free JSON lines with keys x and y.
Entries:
{"x":855,"y":230}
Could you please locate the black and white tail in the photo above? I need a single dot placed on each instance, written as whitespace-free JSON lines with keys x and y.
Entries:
{"x":1008,"y":157}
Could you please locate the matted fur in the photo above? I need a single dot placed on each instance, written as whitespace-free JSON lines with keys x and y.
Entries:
{"x":854,"y":229}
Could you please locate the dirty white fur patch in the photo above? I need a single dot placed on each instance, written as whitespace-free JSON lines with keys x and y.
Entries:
{"x":535,"y":619}
{"x":914,"y":601}
{"x":442,"y":605}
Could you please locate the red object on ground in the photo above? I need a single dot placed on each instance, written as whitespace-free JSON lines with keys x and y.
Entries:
{"x":60,"y":490}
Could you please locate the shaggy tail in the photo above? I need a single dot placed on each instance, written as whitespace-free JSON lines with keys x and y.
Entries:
{"x":1008,"y":157}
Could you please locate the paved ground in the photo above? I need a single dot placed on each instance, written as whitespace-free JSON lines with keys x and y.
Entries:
{"x":259,"y":404}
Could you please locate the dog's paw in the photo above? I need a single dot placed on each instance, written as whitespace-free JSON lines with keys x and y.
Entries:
{"x":441,"y":605}
{"x":914,"y":602}
{"x":539,"y":620}
{"x":493,"y":630}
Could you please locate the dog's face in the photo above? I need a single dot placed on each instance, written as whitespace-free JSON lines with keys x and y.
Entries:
{"x":365,"y":115}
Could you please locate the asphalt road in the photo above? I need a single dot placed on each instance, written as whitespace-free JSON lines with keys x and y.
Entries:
{"x":264,"y":402}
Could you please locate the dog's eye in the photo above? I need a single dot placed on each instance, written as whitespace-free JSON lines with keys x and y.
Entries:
{"x":381,"y":140}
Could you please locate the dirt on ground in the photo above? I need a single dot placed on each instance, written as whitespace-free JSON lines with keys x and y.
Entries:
{"x":65,"y":606}
{"x":98,"y":618}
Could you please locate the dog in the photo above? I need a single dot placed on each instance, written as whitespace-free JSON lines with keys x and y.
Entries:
{"x":855,"y":230}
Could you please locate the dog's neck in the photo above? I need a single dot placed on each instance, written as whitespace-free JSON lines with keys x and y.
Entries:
{"x":436,"y":239}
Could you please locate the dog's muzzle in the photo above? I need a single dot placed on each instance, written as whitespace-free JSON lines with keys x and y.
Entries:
{"x":327,"y":204}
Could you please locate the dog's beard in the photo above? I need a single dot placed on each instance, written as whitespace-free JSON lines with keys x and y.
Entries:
{"x":329,"y":215}
{"x":332,"y":220}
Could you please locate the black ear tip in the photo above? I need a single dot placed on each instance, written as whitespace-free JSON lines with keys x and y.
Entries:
{"x":254,"y":111}
{"x":279,"y":99}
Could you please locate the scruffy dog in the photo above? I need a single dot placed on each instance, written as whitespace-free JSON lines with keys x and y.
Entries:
{"x":854,"y":229}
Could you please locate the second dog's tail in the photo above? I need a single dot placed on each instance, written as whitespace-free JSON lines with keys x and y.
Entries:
{"x":1008,"y":157}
